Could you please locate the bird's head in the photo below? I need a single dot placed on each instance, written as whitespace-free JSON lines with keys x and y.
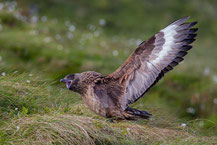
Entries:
{"x":72,"y":81}
{"x":79,"y":82}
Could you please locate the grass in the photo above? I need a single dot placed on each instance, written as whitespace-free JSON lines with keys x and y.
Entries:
{"x":73,"y":129}
{"x":20,"y":95}
{"x":35,"y":108}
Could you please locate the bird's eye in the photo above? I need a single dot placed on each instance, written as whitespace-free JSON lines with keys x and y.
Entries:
{"x":70,"y":76}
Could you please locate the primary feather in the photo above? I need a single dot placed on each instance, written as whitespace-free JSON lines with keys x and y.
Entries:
{"x":153,"y":58}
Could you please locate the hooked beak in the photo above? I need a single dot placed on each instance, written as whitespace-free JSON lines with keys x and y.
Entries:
{"x":67,"y":82}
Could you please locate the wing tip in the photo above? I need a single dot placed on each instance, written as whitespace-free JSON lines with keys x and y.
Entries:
{"x":185,"y":18}
{"x":181,"y":21}
{"x":193,"y":23}
{"x":193,"y":30}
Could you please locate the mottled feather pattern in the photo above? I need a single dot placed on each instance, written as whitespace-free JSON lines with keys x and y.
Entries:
{"x":86,"y":79}
{"x":110,"y":96}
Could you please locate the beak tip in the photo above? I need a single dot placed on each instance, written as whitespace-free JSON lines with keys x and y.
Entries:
{"x":61,"y":80}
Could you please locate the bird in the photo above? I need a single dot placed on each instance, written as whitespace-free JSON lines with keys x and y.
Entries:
{"x":110,"y":96}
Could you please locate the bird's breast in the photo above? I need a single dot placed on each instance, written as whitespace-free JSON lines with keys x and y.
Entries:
{"x":94,"y":102}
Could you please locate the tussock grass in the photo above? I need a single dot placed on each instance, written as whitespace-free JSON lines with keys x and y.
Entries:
{"x":23,"y":94}
{"x":36,"y":111}
{"x":73,"y":129}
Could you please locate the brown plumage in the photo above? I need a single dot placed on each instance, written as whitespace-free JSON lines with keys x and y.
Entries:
{"x":110,"y":96}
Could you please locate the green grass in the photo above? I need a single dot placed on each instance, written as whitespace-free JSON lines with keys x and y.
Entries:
{"x":35,"y":111}
{"x":35,"y":108}
{"x":73,"y":129}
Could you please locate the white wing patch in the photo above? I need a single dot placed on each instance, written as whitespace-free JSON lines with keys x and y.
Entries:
{"x":169,"y":33}
{"x":160,"y":54}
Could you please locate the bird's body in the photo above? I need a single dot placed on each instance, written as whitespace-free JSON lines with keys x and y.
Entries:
{"x":111,"y":95}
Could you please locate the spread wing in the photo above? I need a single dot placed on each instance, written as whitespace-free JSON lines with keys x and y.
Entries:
{"x":152,"y":59}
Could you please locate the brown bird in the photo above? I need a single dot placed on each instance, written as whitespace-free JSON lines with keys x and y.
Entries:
{"x":111,"y":95}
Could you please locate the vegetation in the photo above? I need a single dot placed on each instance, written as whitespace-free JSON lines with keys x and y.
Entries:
{"x":41,"y":42}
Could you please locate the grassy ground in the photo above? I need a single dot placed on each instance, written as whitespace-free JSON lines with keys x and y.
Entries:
{"x":55,"y":116}
{"x":39,"y":45}
{"x":72,"y":129}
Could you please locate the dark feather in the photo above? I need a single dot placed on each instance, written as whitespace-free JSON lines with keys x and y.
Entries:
{"x":145,"y":67}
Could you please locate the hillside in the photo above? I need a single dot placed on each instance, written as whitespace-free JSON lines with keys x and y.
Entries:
{"x":37,"y":112}
{"x":40,"y":42}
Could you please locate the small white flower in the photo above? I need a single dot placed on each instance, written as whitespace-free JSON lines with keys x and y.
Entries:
{"x":183,"y":125}
{"x":3,"y":74}
{"x":16,"y":108}
{"x":30,"y":75}
{"x":47,"y":39}
{"x":191,"y":110}
{"x":102,"y":22}
{"x":215,"y":100}
{"x":18,"y":127}
{"x":11,"y":8}
{"x":15,"y":71}
{"x":28,"y":81}
{"x":72,"y":28}
{"x":91,"y":27}
{"x":1,"y":6}
{"x":43,"y":18}
{"x":14,"y":3}
{"x":115,"y":53}
{"x":206,"y":71}
{"x":214,"y":78}
{"x":128,"y":129}
{"x":34,"y":19}
{"x":19,"y":16}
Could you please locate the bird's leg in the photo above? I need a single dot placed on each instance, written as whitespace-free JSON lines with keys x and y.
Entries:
{"x":115,"y":119}
{"x":142,"y":114}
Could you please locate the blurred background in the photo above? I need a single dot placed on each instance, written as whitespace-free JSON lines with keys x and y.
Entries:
{"x":48,"y":39}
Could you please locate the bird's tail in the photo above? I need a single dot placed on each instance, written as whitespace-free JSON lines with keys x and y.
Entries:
{"x":138,"y":113}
